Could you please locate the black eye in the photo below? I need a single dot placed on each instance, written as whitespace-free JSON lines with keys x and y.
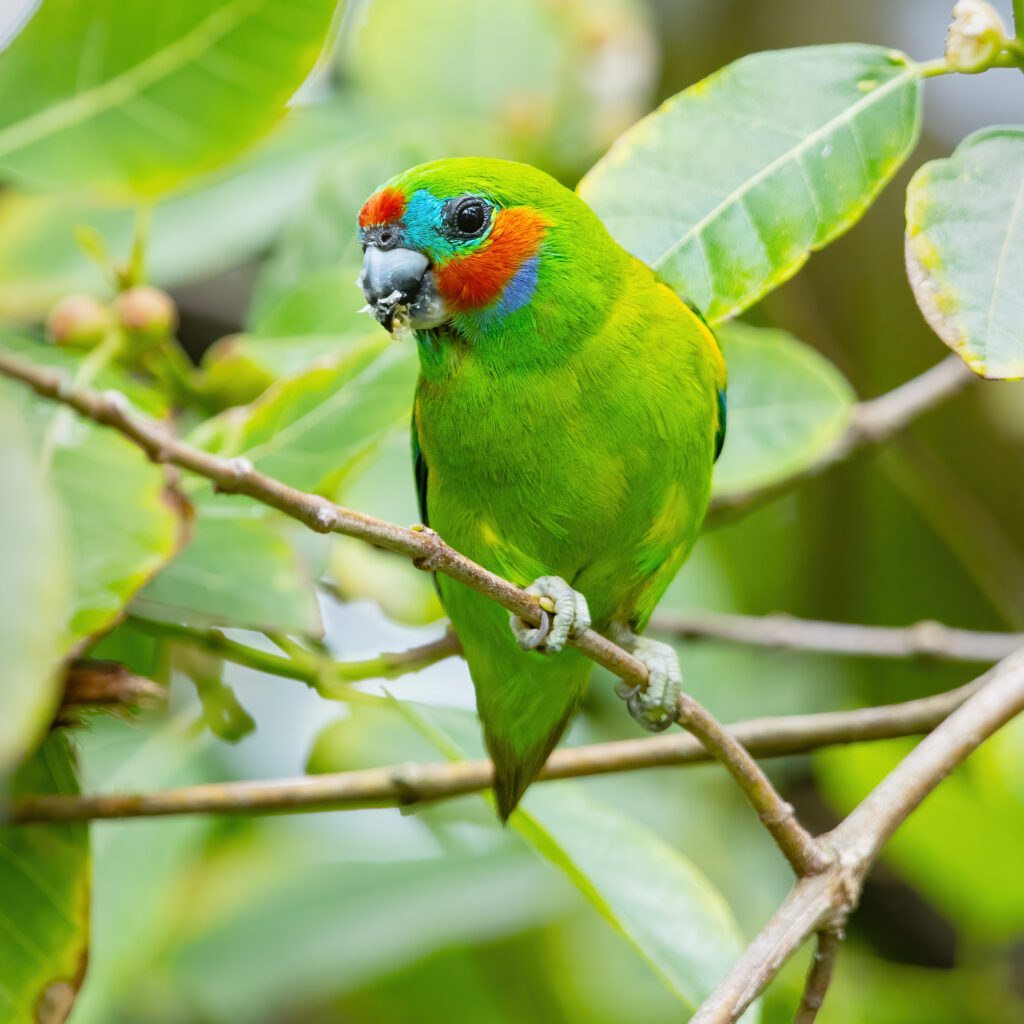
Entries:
{"x":468,"y":217}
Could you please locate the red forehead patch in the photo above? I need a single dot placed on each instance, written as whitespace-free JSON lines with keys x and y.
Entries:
{"x":382,"y":207}
{"x":477,"y":279}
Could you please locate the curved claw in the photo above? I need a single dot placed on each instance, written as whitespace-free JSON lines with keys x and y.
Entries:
{"x":625,"y":691}
{"x":653,"y":706}
{"x":570,"y":615}
{"x":531,"y":639}
{"x":640,"y":712}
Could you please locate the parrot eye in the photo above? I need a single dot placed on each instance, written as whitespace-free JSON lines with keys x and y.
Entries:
{"x":467,"y":217}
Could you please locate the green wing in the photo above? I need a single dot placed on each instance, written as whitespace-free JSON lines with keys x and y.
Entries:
{"x":419,"y":465}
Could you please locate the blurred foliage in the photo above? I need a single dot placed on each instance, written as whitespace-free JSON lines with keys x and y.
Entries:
{"x":248,"y":214}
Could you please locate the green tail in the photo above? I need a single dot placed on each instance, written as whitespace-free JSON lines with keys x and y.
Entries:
{"x":525,"y":701}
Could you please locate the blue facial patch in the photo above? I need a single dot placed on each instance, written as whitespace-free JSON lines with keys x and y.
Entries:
{"x":520,"y":289}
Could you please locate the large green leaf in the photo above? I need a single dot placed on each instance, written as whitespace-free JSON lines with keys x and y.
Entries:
{"x":238,"y":569}
{"x":44,"y":913}
{"x":311,"y":429}
{"x":965,"y":250}
{"x":728,"y":187}
{"x":120,"y":98}
{"x":33,"y":590}
{"x":786,"y":405}
{"x":121,"y":519}
{"x":652,"y":894}
{"x":298,"y":922}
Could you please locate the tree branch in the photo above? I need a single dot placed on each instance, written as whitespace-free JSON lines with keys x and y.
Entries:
{"x":871,"y":422}
{"x":426,"y":549}
{"x":824,"y":901}
{"x":408,"y":784}
{"x":819,"y":978}
{"x":926,"y":640}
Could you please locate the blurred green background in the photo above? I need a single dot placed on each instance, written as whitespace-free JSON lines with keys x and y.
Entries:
{"x":377,"y":916}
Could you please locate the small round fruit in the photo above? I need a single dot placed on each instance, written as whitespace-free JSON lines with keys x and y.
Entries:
{"x":146,"y":311}
{"x":78,"y":321}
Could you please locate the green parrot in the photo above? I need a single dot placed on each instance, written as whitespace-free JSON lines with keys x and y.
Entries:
{"x":569,"y":410}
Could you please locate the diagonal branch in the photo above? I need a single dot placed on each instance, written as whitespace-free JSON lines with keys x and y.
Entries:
{"x":427,"y":550}
{"x":824,"y":901}
{"x":805,"y":855}
{"x":926,"y":640}
{"x":408,"y":784}
{"x":872,"y":422}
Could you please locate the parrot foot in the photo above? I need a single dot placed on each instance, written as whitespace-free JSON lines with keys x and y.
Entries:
{"x":570,"y":615}
{"x":655,"y":706}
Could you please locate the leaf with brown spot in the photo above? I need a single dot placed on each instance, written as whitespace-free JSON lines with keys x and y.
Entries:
{"x":965,"y":250}
{"x":44,"y":913}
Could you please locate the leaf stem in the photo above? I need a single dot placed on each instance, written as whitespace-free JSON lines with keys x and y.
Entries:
{"x":934,"y":68}
{"x":330,"y":678}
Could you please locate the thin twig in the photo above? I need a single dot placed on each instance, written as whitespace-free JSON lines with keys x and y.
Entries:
{"x":871,"y":422}
{"x":819,"y":977}
{"x":426,"y":549}
{"x":325,"y":674}
{"x":404,"y":785}
{"x":926,"y":640}
{"x":824,"y":901}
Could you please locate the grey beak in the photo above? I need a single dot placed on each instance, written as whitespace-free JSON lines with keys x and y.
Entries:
{"x":391,"y":278}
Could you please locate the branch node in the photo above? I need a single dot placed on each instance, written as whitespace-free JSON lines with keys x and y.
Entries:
{"x":323,"y":517}
{"x":928,"y":638}
{"x":407,"y":778}
{"x":235,"y":473}
{"x":434,"y":557}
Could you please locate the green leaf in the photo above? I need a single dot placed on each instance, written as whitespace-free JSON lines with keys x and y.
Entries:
{"x":965,"y":250}
{"x":140,"y":892}
{"x":237,"y":570}
{"x":727,"y":188}
{"x":44,"y":917}
{"x":108,"y":491}
{"x":239,"y":368}
{"x":33,"y":591}
{"x":236,"y":211}
{"x":648,"y":891}
{"x":120,"y":101}
{"x":281,"y":927}
{"x":786,"y":405}
{"x":310,"y":430}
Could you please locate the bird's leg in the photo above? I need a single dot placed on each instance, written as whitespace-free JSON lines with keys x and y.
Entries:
{"x":655,"y":706}
{"x":570,"y":615}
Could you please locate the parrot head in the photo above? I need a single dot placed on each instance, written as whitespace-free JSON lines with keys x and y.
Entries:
{"x":483,"y":247}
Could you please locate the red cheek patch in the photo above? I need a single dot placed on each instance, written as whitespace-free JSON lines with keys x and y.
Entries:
{"x":382,"y":207}
{"x":477,"y":279}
